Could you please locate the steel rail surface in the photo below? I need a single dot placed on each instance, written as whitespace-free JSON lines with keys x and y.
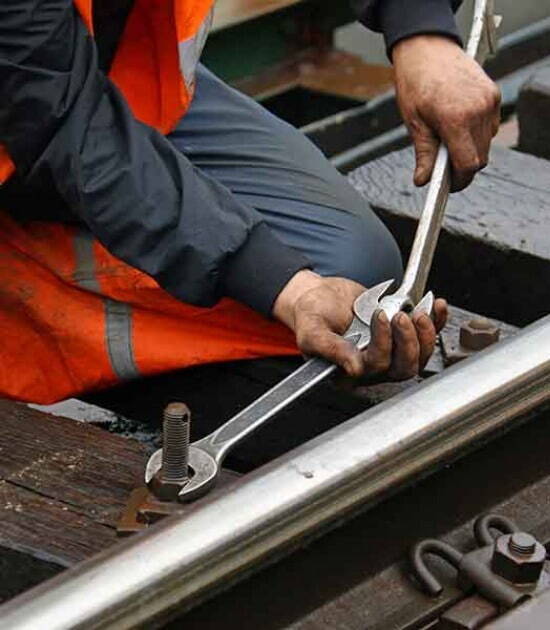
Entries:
{"x":186,"y":558}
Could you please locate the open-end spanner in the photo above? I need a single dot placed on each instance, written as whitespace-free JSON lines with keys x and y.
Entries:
{"x":206,"y":456}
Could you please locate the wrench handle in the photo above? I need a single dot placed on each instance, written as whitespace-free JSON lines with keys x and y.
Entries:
{"x":427,"y":233}
{"x":481,"y":44}
{"x":220,"y":442}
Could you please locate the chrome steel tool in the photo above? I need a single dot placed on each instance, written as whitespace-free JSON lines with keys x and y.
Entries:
{"x":207,"y":455}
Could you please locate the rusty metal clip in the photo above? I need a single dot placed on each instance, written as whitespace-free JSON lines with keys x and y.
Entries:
{"x":506,"y":570}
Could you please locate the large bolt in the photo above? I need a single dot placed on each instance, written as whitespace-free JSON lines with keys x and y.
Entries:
{"x":175,"y":451}
{"x":518,"y":558}
{"x":478,"y":333}
{"x":174,"y":473}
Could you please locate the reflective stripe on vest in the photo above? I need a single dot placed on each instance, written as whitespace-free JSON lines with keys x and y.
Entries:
{"x":190,"y":51}
{"x":77,"y":319}
{"x":118,"y":338}
{"x":118,"y":316}
{"x":156,"y":60}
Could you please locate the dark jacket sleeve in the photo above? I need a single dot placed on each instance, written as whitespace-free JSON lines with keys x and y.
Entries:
{"x":398,"y":19}
{"x":67,"y":126}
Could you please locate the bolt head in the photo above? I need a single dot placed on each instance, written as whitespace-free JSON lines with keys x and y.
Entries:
{"x":166,"y":490}
{"x":518,"y":558}
{"x":479,"y":333}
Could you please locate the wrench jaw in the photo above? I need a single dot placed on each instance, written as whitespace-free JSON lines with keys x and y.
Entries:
{"x":153,"y":466}
{"x":369,"y":301}
{"x":377,"y":297}
{"x":203,"y":470}
{"x":426,"y":305}
{"x":393,"y":304}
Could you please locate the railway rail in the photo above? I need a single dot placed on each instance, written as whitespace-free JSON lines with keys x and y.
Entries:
{"x":187,"y":558}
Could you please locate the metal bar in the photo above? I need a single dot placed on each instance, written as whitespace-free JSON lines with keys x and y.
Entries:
{"x":427,"y":232}
{"x":186,"y":558}
{"x":306,"y":377}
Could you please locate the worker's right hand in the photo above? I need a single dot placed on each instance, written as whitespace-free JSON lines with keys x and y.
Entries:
{"x":444,"y":95}
{"x":320,"y":310}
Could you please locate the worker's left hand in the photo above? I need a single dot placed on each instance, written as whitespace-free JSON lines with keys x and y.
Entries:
{"x":320,"y":310}
{"x":445,"y":95}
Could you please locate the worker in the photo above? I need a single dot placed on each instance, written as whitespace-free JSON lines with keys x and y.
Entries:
{"x":153,"y":218}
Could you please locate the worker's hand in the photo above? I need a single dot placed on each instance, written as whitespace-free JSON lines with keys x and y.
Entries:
{"x":444,"y":94}
{"x":319,"y":311}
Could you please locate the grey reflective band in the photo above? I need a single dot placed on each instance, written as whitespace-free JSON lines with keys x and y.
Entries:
{"x":84,"y":274}
{"x":118,"y":336}
{"x":118,"y":316}
{"x":190,"y":50}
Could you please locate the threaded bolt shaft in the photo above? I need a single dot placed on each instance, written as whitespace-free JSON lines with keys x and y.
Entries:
{"x":522,"y":544}
{"x":175,"y":451}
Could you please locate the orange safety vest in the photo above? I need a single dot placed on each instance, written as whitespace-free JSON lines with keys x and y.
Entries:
{"x":73,"y":317}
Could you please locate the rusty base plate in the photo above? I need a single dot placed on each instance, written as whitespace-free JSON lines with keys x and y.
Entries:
{"x":144,"y":509}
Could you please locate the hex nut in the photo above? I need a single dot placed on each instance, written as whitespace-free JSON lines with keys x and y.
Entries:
{"x":479,"y":333}
{"x":518,"y":558}
{"x":165,"y":490}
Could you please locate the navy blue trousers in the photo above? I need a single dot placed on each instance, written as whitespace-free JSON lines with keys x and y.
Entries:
{"x":273,"y":167}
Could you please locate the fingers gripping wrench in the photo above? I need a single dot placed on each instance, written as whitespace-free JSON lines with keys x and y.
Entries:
{"x":207,"y":455}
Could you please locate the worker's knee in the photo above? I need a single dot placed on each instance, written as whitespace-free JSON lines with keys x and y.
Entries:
{"x":365,"y":251}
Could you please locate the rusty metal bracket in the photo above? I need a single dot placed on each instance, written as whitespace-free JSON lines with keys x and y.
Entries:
{"x":469,"y":614}
{"x":142,"y":510}
{"x":502,"y":572}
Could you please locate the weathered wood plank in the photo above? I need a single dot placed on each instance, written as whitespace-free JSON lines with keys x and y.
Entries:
{"x":71,"y":462}
{"x":63,"y":487}
{"x":47,"y":528}
{"x":494,"y":252}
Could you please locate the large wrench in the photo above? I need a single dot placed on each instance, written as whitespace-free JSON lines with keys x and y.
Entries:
{"x":206,"y":456}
